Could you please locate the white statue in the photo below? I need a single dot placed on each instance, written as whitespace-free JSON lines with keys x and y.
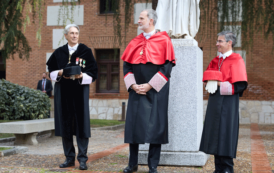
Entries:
{"x":179,"y":18}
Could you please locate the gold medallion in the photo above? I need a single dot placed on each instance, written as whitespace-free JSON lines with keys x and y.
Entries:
{"x":81,"y":62}
{"x":141,"y":53}
{"x":69,"y":59}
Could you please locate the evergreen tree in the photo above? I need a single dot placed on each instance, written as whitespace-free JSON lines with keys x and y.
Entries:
{"x":15,"y":15}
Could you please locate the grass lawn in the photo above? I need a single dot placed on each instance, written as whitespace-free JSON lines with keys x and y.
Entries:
{"x":103,"y":123}
{"x":6,"y":135}
{"x":4,"y":121}
{"x":4,"y":148}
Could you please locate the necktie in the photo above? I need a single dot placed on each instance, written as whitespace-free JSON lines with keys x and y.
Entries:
{"x":220,"y":63}
{"x":43,"y":85}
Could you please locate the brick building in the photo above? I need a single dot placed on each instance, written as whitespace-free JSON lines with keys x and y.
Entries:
{"x":109,"y":91}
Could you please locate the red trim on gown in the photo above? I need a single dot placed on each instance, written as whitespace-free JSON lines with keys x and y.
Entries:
{"x":157,"y":49}
{"x":232,"y":70}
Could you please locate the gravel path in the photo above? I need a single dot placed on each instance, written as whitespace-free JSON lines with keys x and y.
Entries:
{"x":117,"y":161}
{"x":49,"y":154}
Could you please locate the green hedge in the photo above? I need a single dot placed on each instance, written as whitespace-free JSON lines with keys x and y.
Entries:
{"x":19,"y":102}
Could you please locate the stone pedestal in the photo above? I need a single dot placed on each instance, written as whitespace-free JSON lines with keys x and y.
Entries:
{"x":185,"y":110}
{"x":52,"y":134}
{"x":26,"y":139}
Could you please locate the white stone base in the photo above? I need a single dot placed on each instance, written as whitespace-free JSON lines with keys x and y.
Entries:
{"x":177,"y":158}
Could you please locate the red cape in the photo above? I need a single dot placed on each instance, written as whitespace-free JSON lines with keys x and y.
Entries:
{"x":232,"y":70}
{"x":157,"y":49}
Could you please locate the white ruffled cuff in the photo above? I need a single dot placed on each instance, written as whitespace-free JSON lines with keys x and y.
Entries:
{"x":86,"y":80}
{"x":54,"y":75}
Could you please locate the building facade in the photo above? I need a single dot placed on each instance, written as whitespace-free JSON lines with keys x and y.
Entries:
{"x":109,"y":92}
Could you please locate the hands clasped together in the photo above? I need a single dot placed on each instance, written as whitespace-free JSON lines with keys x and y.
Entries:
{"x":142,"y":88}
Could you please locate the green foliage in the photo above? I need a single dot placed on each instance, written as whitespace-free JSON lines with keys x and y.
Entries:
{"x":128,"y":9}
{"x":102,"y":123}
{"x":66,"y":11}
{"x":15,"y":16}
{"x":6,"y":135}
{"x":121,"y":156}
{"x":254,"y":16}
{"x":5,"y":148}
{"x":5,"y":121}
{"x":19,"y":102}
{"x":257,"y":16}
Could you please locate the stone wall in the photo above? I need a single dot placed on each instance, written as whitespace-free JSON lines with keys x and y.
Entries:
{"x":251,"y":111}
{"x":110,"y":109}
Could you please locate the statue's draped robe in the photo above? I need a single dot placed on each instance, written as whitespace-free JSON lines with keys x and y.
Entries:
{"x":147,"y":118}
{"x":178,"y":17}
{"x":71,"y":98}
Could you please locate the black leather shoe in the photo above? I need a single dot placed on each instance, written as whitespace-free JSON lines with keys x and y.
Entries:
{"x":67,"y":163}
{"x":227,"y":171}
{"x":130,"y":169}
{"x":153,"y":170}
{"x":83,"y":166}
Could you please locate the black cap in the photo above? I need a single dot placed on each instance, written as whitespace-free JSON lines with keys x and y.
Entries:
{"x":71,"y":70}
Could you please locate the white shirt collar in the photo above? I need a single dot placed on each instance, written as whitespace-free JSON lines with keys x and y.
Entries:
{"x":74,"y":48}
{"x":148,"y":35}
{"x":227,"y":54}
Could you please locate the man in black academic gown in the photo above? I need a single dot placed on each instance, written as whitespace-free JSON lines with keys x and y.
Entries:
{"x":45,"y":85}
{"x":148,"y":60}
{"x":226,"y":80}
{"x":71,"y":95}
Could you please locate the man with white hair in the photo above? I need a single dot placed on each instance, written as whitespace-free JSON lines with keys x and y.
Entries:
{"x":148,"y":60}
{"x":226,"y":80}
{"x":73,"y":68}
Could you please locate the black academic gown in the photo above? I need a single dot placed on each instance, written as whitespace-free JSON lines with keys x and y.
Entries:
{"x":147,"y":118}
{"x":71,"y":99}
{"x":221,"y":125}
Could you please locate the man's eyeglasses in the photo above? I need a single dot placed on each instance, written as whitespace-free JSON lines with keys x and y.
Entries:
{"x":220,"y":41}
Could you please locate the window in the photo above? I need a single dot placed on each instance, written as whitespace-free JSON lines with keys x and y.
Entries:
{"x":108,"y":70}
{"x":108,"y":6}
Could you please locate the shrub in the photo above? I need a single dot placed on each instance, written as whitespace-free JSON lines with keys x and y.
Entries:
{"x":19,"y":102}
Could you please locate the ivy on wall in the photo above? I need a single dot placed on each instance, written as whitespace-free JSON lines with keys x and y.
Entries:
{"x":252,"y":15}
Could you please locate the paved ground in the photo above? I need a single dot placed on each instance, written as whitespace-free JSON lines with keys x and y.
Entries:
{"x":108,"y":153}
